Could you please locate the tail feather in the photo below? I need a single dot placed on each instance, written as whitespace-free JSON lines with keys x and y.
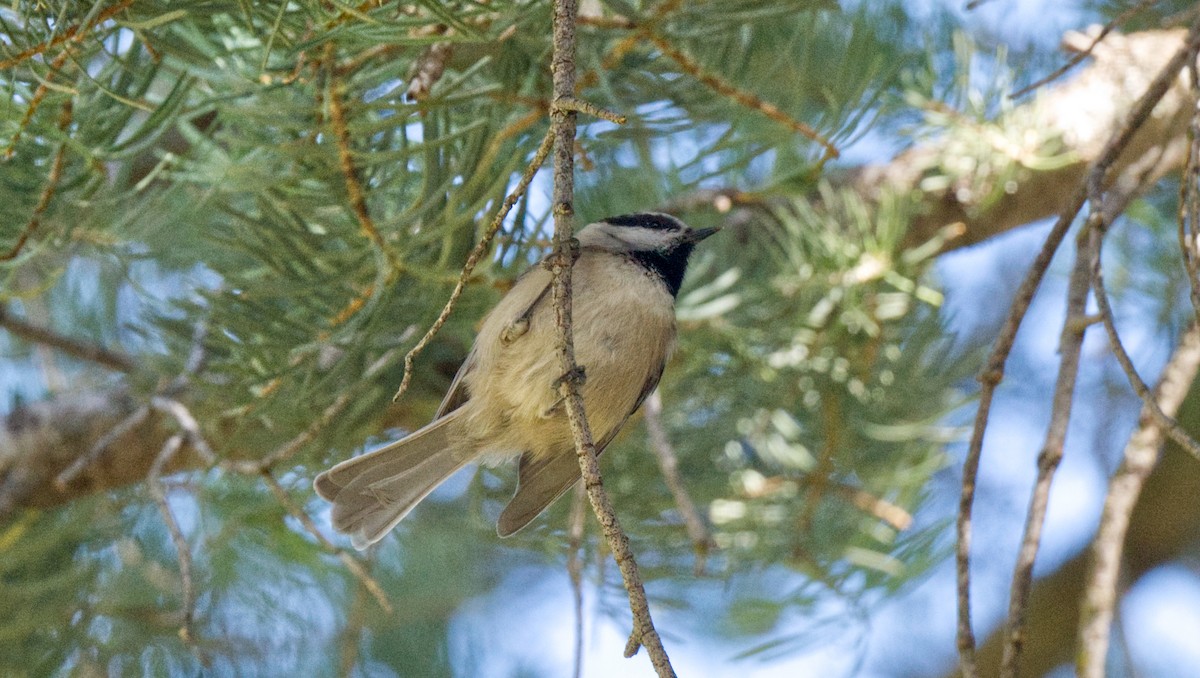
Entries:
{"x":373,"y":492}
{"x":540,"y":481}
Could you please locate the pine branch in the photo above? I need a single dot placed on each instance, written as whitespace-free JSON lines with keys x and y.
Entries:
{"x":990,"y":378}
{"x":1121,"y":63}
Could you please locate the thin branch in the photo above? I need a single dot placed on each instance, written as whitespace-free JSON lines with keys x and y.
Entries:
{"x":291,"y":447}
{"x":647,"y":29}
{"x":473,"y":259}
{"x":52,"y":180}
{"x":75,"y":348}
{"x":1189,"y":201}
{"x":587,"y":107}
{"x":725,"y":88}
{"x":356,"y":568}
{"x":191,"y":428}
{"x":1124,"y":488}
{"x":1070,"y":350}
{"x":183,"y":551}
{"x":668,"y":463}
{"x":1082,"y":51}
{"x":993,"y":372}
{"x":562,"y":261}
{"x":116,"y":432}
{"x":354,"y":186}
{"x":35,"y":101}
{"x":575,"y":568}
{"x":1149,"y":399}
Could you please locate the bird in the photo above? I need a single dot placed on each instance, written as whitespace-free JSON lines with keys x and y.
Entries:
{"x":504,"y":401}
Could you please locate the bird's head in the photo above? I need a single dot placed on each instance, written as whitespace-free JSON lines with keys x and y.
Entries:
{"x":660,"y":242}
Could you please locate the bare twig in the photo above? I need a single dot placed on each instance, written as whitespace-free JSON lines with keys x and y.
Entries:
{"x":1070,"y":349}
{"x":1124,"y":488}
{"x":183,"y":551}
{"x":668,"y":463}
{"x":354,"y":186}
{"x":1189,"y":202}
{"x":356,"y":568}
{"x":52,"y":180}
{"x":562,"y":260}
{"x":575,"y":568}
{"x":1164,"y":421}
{"x":75,"y":348}
{"x":164,"y":404}
{"x":725,"y":88}
{"x":994,"y":370}
{"x":587,"y":107}
{"x":191,"y":428}
{"x":473,"y":259}
{"x":1083,"y":51}
{"x":124,"y":426}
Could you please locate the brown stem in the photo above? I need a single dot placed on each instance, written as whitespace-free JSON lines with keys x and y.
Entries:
{"x":75,"y":348}
{"x":575,"y":568}
{"x":668,"y":463}
{"x":562,"y":260}
{"x":1124,"y":488}
{"x":1070,"y":348}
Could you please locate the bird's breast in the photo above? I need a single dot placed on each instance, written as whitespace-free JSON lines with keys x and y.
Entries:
{"x":624,"y":331}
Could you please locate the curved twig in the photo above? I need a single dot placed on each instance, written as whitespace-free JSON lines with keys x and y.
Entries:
{"x":473,"y":259}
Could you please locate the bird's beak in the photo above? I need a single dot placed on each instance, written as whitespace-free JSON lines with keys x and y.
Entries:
{"x":698,"y":234}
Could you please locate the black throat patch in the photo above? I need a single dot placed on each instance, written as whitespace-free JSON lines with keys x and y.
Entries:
{"x":668,"y":265}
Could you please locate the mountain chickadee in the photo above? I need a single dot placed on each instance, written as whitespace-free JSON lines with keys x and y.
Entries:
{"x":503,"y":401}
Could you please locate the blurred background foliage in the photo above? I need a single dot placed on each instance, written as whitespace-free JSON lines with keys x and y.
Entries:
{"x":254,"y":179}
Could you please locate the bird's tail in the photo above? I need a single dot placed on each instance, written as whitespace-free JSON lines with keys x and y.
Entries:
{"x":373,"y":492}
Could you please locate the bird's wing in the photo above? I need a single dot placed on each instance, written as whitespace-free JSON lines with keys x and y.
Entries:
{"x":457,"y":394}
{"x":542,"y":480}
{"x":515,"y":328}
